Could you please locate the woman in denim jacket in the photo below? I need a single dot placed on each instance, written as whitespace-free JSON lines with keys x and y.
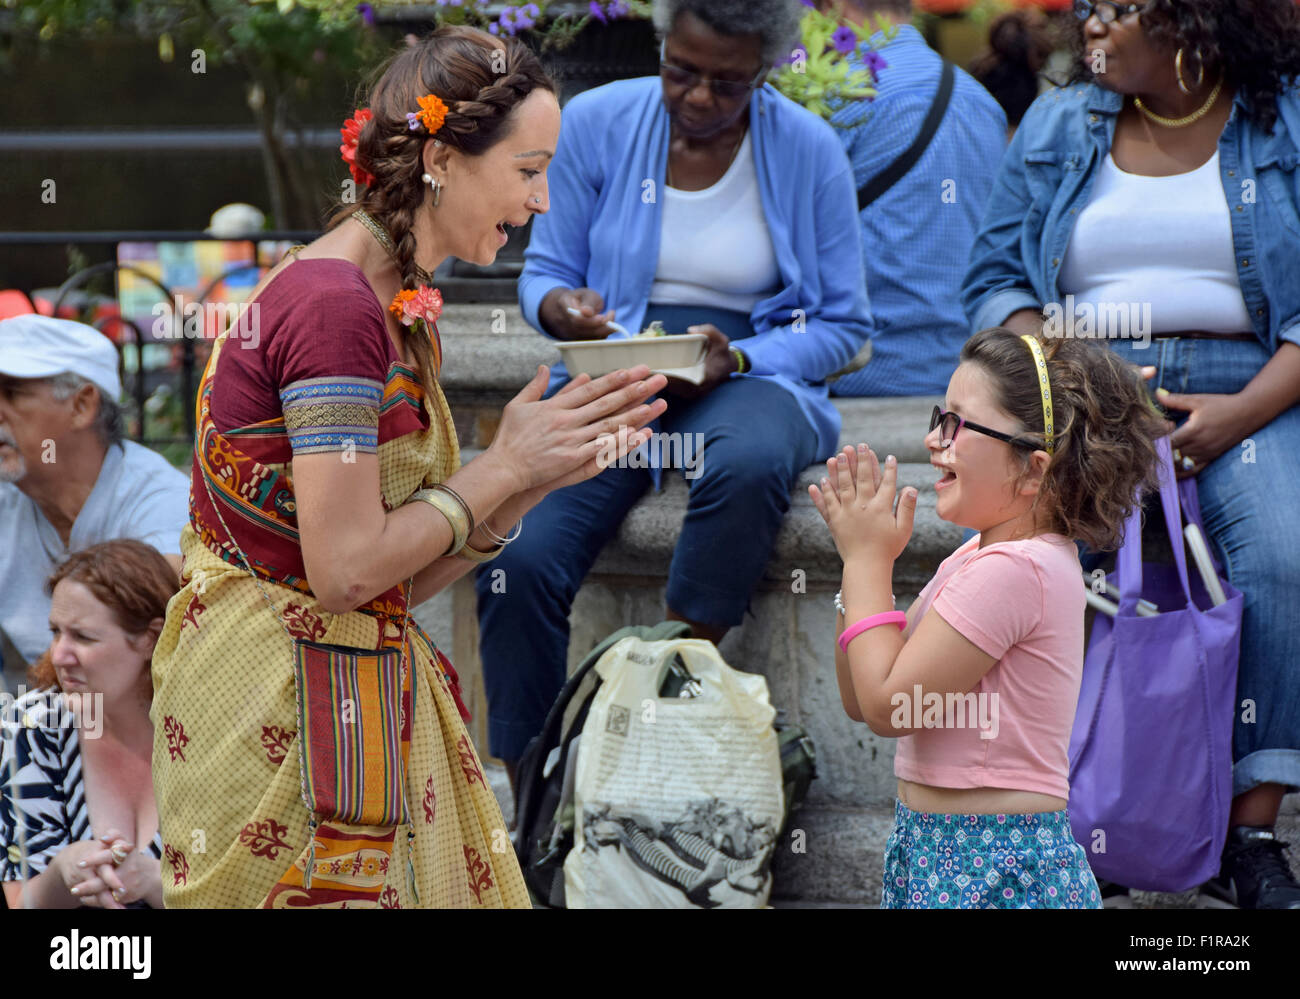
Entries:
{"x":1156,"y":203}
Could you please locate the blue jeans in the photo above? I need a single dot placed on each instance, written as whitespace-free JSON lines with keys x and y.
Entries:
{"x":755,"y":444}
{"x":1249,"y":496}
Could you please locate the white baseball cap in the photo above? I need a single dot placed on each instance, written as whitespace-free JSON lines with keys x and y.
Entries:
{"x":36,"y":346}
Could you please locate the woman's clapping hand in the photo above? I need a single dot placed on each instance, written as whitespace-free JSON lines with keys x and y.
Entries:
{"x":585,"y":427}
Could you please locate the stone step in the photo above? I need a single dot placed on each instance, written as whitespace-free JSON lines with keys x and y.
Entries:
{"x":489,"y":353}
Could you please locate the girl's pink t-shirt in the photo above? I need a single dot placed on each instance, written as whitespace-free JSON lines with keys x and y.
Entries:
{"x":1021,"y":602}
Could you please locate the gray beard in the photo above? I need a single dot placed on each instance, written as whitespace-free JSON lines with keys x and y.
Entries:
{"x":13,"y":469}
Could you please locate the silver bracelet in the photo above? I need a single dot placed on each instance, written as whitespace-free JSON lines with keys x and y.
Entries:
{"x":839,"y":602}
{"x":518,"y":530}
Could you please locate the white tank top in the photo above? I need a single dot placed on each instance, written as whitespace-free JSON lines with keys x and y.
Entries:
{"x":1163,"y":243}
{"x":715,"y":248}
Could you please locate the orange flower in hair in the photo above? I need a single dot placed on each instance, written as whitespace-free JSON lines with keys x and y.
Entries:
{"x":432,"y":113}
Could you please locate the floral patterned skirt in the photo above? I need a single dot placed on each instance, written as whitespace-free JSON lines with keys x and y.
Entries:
{"x":985,"y":862}
{"x":228,"y":781}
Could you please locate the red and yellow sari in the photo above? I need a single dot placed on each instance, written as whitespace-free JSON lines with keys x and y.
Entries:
{"x":226,"y":764}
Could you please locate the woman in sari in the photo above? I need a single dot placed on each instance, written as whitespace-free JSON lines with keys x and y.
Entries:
{"x":327,"y":497}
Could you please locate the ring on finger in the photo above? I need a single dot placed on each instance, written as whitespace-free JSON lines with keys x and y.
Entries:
{"x":1188,"y":463}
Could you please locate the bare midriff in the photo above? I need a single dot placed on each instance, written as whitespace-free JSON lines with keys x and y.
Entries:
{"x":975,"y":800}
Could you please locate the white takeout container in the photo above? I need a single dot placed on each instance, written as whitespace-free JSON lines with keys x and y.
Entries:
{"x":680,"y":356}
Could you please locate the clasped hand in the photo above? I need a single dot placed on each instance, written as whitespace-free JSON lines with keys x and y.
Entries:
{"x":92,"y":873}
{"x":856,"y":499}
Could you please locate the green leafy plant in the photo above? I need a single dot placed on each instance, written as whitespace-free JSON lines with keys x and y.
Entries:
{"x":819,"y":73}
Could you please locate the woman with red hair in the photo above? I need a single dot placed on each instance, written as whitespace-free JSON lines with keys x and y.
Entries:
{"x":76,"y":791}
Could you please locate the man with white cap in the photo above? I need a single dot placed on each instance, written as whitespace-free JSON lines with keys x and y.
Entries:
{"x":67,"y":478}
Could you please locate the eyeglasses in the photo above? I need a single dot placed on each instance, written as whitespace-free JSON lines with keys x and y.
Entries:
{"x":950,"y":423}
{"x":1107,"y":11}
{"x":728,"y":90}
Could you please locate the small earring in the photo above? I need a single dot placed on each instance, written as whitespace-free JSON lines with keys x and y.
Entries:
{"x":435,"y":187}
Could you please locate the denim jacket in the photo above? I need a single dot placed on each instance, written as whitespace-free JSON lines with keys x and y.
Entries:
{"x":1046,"y":179}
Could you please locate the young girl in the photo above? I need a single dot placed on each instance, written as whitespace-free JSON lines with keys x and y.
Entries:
{"x":1039,"y":443}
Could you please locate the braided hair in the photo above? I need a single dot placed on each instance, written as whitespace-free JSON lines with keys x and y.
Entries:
{"x":481,"y":80}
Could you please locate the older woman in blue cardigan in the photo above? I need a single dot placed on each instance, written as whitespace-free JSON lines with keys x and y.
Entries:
{"x":706,"y":200}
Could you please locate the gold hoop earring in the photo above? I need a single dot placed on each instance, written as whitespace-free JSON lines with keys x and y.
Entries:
{"x":434,"y":186}
{"x":1178,"y":72}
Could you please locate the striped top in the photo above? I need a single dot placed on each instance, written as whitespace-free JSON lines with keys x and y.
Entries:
{"x":916,"y":238}
{"x":42,"y":792}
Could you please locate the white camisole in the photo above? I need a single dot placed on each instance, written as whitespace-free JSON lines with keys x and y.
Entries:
{"x":714,"y":247}
{"x":1162,"y":242}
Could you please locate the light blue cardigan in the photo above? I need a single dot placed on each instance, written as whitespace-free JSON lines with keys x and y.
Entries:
{"x":602,"y":232}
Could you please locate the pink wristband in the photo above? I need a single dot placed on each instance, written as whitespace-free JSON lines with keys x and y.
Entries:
{"x":854,"y":630}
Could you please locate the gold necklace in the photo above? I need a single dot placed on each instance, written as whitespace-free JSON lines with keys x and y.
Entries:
{"x":385,"y":240}
{"x":1196,"y":115}
{"x":735,"y":149}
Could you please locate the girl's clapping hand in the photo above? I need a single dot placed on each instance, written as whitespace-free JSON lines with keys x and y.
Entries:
{"x":856,"y":500}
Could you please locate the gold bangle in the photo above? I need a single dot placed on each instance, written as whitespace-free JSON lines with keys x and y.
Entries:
{"x":469,"y":514}
{"x":471,"y":554}
{"x":452,"y":511}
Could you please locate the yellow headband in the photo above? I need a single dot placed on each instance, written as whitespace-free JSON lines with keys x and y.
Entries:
{"x":1045,"y":387}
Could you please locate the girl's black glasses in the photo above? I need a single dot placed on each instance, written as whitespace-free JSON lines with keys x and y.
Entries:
{"x":950,"y":423}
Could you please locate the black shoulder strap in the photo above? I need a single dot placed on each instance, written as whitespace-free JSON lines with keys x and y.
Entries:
{"x":897,"y":170}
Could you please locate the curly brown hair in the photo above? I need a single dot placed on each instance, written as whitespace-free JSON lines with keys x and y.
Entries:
{"x":1254,"y":43}
{"x":1105,"y":429}
{"x":481,"y":79}
{"x":128,"y":577}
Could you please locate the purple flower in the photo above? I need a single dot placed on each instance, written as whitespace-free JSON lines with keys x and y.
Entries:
{"x":809,"y":3}
{"x":494,"y":28}
{"x":844,"y":40}
{"x":875,"y":62}
{"x":595,"y":10}
{"x":367,"y":13}
{"x":617,"y":8}
{"x":412,"y":122}
{"x":531,"y":9}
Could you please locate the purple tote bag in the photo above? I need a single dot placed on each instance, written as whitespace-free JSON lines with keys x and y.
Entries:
{"x":1151,"y":747}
